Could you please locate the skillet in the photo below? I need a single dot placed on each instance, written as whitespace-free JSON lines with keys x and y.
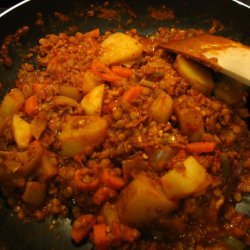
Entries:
{"x":189,"y":13}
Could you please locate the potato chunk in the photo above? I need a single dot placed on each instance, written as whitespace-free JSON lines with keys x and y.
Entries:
{"x":197,"y":75}
{"x":19,"y":164}
{"x":90,"y":80}
{"x":21,"y":131}
{"x":118,"y":48}
{"x":81,"y":134}
{"x":38,"y":125}
{"x":48,"y":166}
{"x":185,"y":180}
{"x":161,"y":109}
{"x":12,"y":102}
{"x":92,"y":102}
{"x":190,"y":122}
{"x":69,"y":91}
{"x":61,"y":100}
{"x":35,"y":193}
{"x":142,"y":201}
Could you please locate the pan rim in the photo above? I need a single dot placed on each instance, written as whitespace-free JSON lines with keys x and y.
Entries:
{"x":13,"y":7}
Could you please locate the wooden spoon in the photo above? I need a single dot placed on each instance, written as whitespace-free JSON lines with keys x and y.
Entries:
{"x":220,"y":53}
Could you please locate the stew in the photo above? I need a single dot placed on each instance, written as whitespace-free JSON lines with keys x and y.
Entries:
{"x":144,"y":150}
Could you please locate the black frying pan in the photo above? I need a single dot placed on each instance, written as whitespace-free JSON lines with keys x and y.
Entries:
{"x":189,"y":13}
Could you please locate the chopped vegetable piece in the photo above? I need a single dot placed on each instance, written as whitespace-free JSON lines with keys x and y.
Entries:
{"x":105,"y":73}
{"x":185,"y":179}
{"x":110,"y":179}
{"x":82,"y":226}
{"x":133,"y":166}
{"x":130,"y":234}
{"x":161,"y":109}
{"x":85,"y":180}
{"x":160,"y":158}
{"x":100,"y":235}
{"x":35,"y":193}
{"x":71,"y":92}
{"x":81,"y":134}
{"x":243,"y":207}
{"x":90,"y":80}
{"x":197,"y":75}
{"x":122,"y":71}
{"x":227,"y":170}
{"x":191,"y":123}
{"x":65,"y":101}
{"x":38,"y":87}
{"x":142,"y":201}
{"x":110,"y":214}
{"x":92,"y":102}
{"x":31,"y":105}
{"x":93,"y":33}
{"x":37,"y":126}
{"x":12,"y":102}
{"x":233,"y":243}
{"x":132,"y":94}
{"x":118,"y":48}
{"x":103,"y":194}
{"x":21,"y":131}
{"x":200,"y":147}
{"x":48,"y":167}
{"x":19,"y":164}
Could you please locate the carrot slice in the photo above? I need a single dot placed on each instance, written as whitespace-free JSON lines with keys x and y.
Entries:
{"x":131,"y":94}
{"x":100,"y":236}
{"x":93,"y":33}
{"x":129,"y":234}
{"x":104,"y":72}
{"x":201,"y":147}
{"x":112,"y":180}
{"x":122,"y":71}
{"x":82,"y":226}
{"x":117,"y":233}
{"x":85,"y":180}
{"x":31,"y":105}
{"x":38,"y":87}
{"x":102,"y":194}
